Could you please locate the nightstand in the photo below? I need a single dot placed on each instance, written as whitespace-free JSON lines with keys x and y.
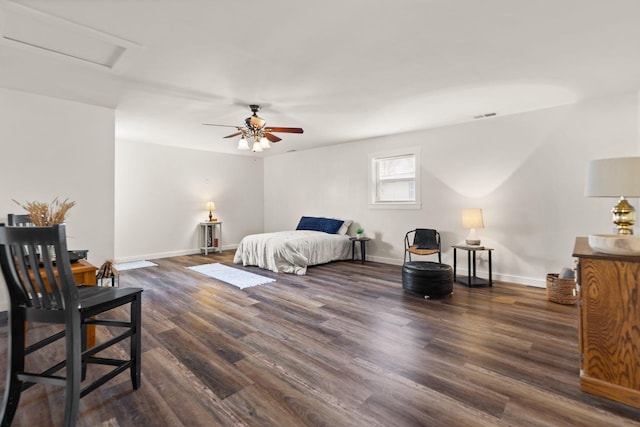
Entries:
{"x":211,"y":236}
{"x":363,"y":248}
{"x":471,"y":279}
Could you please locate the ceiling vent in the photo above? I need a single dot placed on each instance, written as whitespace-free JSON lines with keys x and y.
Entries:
{"x":484,"y":116}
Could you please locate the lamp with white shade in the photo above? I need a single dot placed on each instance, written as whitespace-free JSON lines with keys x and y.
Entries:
{"x":243,"y":144}
{"x":472,"y":219}
{"x":264,"y":143}
{"x":211,"y":207}
{"x":620,"y":178}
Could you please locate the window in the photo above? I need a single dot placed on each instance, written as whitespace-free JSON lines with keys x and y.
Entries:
{"x":395,"y":179}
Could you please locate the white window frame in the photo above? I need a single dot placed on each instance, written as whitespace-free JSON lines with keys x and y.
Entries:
{"x":374,"y":203}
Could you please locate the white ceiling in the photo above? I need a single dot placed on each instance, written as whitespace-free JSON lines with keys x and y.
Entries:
{"x":341,"y":69}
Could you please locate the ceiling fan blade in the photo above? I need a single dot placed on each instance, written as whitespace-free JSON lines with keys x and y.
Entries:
{"x":272,"y":137}
{"x":286,"y":130}
{"x":233,"y":134}
{"x":225,"y":126}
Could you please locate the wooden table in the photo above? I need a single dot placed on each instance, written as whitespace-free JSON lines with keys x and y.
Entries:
{"x":84,"y":273}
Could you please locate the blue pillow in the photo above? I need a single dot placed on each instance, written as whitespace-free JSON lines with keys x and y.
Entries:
{"x":328,"y":225}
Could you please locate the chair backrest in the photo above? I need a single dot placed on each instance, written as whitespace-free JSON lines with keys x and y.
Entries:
{"x":426,"y":238}
{"x":23,"y":220}
{"x":35,"y":263}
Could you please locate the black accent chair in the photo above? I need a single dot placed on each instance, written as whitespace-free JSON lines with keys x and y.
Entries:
{"x":424,"y":241}
{"x":36,"y":267}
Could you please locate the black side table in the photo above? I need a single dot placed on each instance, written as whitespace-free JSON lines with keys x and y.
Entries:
{"x":363,"y":248}
{"x":471,"y":279}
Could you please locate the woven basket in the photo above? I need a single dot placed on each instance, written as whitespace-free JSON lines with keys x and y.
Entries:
{"x":561,"y":290}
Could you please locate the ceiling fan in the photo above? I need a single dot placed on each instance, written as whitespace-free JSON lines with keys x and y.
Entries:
{"x":254,"y":128}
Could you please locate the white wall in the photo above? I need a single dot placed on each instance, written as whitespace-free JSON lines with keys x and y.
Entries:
{"x":161,"y":194}
{"x":55,"y":148}
{"x":526,"y":171}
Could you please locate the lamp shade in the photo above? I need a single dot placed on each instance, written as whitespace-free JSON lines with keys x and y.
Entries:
{"x":614,"y":177}
{"x":211,"y":206}
{"x":243,"y":144}
{"x":472,"y":218}
{"x":264,"y":143}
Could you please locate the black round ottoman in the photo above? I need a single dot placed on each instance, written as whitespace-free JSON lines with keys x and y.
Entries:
{"x":427,"y":278}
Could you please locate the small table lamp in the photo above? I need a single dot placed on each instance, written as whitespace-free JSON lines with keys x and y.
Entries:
{"x":472,"y":218}
{"x":617,"y":177}
{"x":211,"y":207}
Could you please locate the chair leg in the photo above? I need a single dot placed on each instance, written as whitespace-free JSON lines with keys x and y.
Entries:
{"x":74,"y":372}
{"x":136,"y":341}
{"x":15,"y":364}
{"x":83,"y":333}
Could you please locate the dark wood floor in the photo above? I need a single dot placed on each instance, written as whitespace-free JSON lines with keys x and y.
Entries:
{"x":341,"y":346}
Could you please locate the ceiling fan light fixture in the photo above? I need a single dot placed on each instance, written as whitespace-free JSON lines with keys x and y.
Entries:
{"x":256,"y":147}
{"x":256,"y":133}
{"x":243,"y":144}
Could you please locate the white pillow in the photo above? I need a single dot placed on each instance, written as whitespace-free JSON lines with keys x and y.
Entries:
{"x":344,"y":227}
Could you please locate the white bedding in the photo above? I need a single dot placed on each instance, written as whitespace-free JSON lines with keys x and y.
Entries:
{"x":292,"y":251}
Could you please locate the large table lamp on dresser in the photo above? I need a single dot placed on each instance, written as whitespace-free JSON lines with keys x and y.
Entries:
{"x":618,"y":178}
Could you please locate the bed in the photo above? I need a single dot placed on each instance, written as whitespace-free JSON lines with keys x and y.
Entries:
{"x":315,"y":241}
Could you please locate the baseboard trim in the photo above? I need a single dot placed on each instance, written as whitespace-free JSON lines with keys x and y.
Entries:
{"x":159,"y":255}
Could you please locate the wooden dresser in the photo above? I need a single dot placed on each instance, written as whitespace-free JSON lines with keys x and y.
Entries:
{"x":609,"y":309}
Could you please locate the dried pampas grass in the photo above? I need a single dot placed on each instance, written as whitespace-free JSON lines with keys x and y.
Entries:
{"x":47,"y":214}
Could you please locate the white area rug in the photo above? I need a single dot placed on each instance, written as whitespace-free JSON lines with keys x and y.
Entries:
{"x":135,"y":264}
{"x":233,"y":276}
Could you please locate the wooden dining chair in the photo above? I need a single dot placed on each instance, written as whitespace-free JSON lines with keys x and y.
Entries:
{"x":36,"y":267}
{"x":422,"y":241}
